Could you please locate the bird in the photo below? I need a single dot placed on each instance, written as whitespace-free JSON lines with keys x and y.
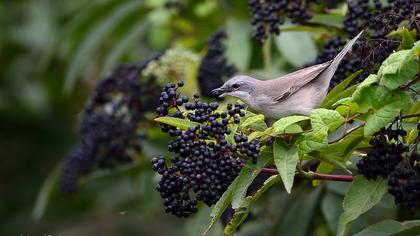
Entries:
{"x":296,"y":93}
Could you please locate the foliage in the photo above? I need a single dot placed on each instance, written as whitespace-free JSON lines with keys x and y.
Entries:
{"x":54,"y":53}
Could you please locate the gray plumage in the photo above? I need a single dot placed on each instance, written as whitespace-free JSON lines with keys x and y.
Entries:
{"x":296,"y":93}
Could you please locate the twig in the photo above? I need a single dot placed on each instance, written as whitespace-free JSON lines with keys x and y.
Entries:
{"x":407,"y":86}
{"x":316,"y":176}
{"x":348,"y":132}
{"x":410,"y":116}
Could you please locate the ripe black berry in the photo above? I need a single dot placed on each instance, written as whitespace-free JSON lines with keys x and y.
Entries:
{"x":213,"y":68}
{"x":204,"y":162}
{"x":108,"y":128}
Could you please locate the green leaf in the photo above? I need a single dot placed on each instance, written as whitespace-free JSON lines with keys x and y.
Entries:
{"x":312,"y":141}
{"x":221,"y":205}
{"x":395,"y":71}
{"x":236,"y":194}
{"x":301,"y":213}
{"x":240,"y":214}
{"x":253,"y":119}
{"x":247,"y":175}
{"x":323,"y":168}
{"x":388,"y":227}
{"x":286,"y":159}
{"x":238,"y":45}
{"x":334,"y":95}
{"x":335,"y":20}
{"x":44,"y":194}
{"x":194,"y":225}
{"x":92,"y":41}
{"x":297,"y":47}
{"x":414,"y":51}
{"x":176,"y":122}
{"x":331,"y":209}
{"x":360,"y":197}
{"x":407,"y":39}
{"x":386,"y":106}
{"x":280,"y":125}
{"x":322,"y":117}
{"x":293,"y":129}
{"x":365,"y":83}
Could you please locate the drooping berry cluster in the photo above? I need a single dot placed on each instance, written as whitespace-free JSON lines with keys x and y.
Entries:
{"x":378,"y":20}
{"x":204,"y":163}
{"x":384,"y":155}
{"x":404,"y":184}
{"x":269,"y":15}
{"x":108,"y":127}
{"x":213,"y":68}
{"x":391,"y":159}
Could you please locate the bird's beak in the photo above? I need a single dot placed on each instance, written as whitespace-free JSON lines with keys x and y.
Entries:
{"x":219,"y":92}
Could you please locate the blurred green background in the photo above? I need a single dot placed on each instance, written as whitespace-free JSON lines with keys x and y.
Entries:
{"x":52,"y":54}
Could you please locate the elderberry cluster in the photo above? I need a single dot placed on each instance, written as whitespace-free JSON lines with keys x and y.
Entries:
{"x":269,"y":15}
{"x":108,"y":128}
{"x":213,"y":68}
{"x":384,"y":156}
{"x":377,"y":20}
{"x":391,"y":159}
{"x":204,"y":163}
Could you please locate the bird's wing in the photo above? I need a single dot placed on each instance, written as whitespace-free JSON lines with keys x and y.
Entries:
{"x":296,"y":80}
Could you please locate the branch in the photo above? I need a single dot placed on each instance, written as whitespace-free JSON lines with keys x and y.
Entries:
{"x":348,"y":133}
{"x":410,"y":116}
{"x":316,"y":176}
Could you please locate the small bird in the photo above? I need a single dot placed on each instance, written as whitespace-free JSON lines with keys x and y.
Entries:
{"x":296,"y":93}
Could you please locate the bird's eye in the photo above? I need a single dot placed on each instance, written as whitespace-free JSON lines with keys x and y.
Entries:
{"x":235,"y":86}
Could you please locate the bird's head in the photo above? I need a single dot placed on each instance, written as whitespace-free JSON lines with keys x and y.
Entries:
{"x":240,"y":86}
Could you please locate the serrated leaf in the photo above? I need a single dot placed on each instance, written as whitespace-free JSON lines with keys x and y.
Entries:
{"x":395,"y":71}
{"x":415,"y":51}
{"x":251,"y":120}
{"x":286,"y":159}
{"x":247,"y":175}
{"x":334,"y":95}
{"x":365,"y":83}
{"x":236,"y":191}
{"x":388,"y":227}
{"x":240,"y":214}
{"x":381,"y":116}
{"x":312,"y":141}
{"x":322,"y":117}
{"x":281,"y":124}
{"x":360,"y":197}
{"x":176,"y":122}
{"x":293,"y":129}
{"x":221,"y":206}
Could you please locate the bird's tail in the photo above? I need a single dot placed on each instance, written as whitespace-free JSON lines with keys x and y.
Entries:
{"x":344,"y":51}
